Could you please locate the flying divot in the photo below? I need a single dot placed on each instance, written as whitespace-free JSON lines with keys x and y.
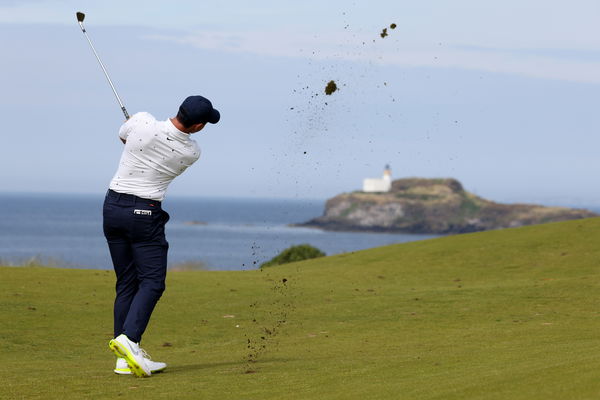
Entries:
{"x":330,"y":88}
{"x":384,"y":32}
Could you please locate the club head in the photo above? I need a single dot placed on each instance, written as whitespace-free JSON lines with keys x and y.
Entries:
{"x":80,"y":16}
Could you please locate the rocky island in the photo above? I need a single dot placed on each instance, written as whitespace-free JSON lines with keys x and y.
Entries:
{"x":441,"y":206}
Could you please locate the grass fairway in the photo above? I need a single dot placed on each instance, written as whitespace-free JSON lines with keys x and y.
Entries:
{"x":510,"y":314}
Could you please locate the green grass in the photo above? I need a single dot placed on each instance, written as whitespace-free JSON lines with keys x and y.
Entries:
{"x":469,"y":206}
{"x":416,"y":196}
{"x":509,"y":314}
{"x":349,"y":210}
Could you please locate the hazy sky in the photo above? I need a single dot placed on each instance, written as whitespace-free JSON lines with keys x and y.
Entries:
{"x":500,"y":95}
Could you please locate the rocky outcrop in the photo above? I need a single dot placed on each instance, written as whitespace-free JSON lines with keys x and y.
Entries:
{"x":418,"y":205}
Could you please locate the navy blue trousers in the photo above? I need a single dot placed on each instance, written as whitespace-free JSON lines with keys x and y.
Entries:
{"x":135,"y":231}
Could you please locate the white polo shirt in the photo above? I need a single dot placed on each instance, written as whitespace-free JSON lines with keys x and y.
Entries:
{"x":155,"y":153}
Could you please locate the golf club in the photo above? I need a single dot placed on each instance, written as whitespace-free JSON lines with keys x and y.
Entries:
{"x":80,"y":18}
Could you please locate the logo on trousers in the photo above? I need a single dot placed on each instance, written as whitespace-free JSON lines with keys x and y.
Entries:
{"x":142,"y":212}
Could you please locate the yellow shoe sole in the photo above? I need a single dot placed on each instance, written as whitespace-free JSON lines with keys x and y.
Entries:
{"x":127,"y":371}
{"x":122,"y":371}
{"x":121,"y":351}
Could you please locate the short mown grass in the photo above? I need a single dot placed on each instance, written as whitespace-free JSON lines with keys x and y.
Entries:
{"x":509,"y":314}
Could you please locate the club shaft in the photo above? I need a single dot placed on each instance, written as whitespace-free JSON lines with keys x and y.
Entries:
{"x":105,"y":73}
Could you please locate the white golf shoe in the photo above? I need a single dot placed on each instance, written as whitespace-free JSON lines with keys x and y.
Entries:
{"x":132,"y":353}
{"x":122,"y":368}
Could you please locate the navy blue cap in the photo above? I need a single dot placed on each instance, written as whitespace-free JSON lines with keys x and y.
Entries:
{"x":196,"y":109}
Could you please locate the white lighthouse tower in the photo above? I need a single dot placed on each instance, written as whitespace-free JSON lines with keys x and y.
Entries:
{"x":379,"y":185}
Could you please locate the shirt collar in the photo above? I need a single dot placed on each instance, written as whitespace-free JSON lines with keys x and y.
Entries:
{"x":176,"y":132}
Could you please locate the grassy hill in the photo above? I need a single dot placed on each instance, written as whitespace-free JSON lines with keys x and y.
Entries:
{"x":509,"y":314}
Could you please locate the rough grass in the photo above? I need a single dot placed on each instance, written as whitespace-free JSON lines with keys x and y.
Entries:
{"x":510,"y":314}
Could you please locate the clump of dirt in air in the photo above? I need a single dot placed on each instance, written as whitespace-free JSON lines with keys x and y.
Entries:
{"x":330,"y":88}
{"x":384,"y":32}
{"x":265,"y":331}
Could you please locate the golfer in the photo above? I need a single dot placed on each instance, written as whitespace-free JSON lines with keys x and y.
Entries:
{"x":134,"y":222}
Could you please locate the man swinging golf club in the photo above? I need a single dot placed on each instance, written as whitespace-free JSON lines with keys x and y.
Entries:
{"x":134,"y":222}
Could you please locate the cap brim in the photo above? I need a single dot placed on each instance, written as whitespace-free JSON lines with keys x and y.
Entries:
{"x":214,"y":117}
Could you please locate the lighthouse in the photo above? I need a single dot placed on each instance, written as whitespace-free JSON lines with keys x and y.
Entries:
{"x":379,"y":185}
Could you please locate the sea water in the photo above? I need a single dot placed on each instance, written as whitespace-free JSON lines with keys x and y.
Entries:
{"x":217,"y":234}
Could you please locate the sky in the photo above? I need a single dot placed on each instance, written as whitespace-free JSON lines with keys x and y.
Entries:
{"x":499,"y":95}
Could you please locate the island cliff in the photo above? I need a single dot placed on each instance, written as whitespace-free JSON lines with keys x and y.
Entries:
{"x":418,"y":205}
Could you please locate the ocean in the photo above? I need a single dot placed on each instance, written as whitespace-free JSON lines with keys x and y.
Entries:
{"x":210,"y":233}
